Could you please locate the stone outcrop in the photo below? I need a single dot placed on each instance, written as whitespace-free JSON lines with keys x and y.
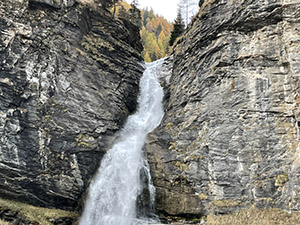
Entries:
{"x":69,"y":77}
{"x":230,"y":135}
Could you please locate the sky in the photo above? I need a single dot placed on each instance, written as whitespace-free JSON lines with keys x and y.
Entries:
{"x":165,"y":8}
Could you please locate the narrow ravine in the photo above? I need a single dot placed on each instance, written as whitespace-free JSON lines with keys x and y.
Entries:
{"x":112,"y":198}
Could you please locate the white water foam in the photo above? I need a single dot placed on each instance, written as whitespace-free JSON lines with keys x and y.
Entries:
{"x":113,"y":193}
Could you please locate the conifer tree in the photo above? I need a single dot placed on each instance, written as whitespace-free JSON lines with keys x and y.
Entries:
{"x":106,"y":3}
{"x":178,"y":28}
{"x":135,"y":14}
{"x":123,"y":13}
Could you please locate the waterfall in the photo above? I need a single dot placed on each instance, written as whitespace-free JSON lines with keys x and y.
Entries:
{"x":113,"y":193}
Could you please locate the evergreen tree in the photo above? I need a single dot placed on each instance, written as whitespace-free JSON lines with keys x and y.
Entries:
{"x":123,"y":13}
{"x":135,"y":14}
{"x":106,"y":3}
{"x":177,"y":29}
{"x":145,"y":16}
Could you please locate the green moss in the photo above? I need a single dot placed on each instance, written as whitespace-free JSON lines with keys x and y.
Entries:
{"x":202,"y":197}
{"x":177,"y":164}
{"x":181,"y":166}
{"x":94,"y":42}
{"x":196,"y":220}
{"x":184,"y":166}
{"x":84,"y":54}
{"x":180,"y":150}
{"x":35,"y":214}
{"x":172,"y":145}
{"x":172,"y":87}
{"x":170,"y":114}
{"x":168,"y":126}
{"x":196,"y":157}
{"x":281,"y":180}
{"x":85,"y":141}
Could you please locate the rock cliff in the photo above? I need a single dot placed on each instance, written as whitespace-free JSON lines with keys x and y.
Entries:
{"x":69,"y":77}
{"x":230,"y":135}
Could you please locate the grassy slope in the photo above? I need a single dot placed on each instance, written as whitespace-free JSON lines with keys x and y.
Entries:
{"x":35,"y":214}
{"x":256,"y":216}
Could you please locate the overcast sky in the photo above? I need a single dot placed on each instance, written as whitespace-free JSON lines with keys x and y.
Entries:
{"x":165,"y":8}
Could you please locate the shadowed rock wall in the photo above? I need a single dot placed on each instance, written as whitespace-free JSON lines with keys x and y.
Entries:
{"x":69,"y":78}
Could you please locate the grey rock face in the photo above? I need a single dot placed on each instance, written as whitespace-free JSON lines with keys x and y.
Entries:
{"x":68,"y":80}
{"x":230,"y":135}
{"x":56,"y":3}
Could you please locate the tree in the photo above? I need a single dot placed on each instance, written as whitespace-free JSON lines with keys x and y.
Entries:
{"x":188,"y":9}
{"x":123,"y":13}
{"x":147,"y":57}
{"x":155,"y":35}
{"x":135,"y":14}
{"x":106,"y":3}
{"x":115,"y":7}
{"x":177,"y":29}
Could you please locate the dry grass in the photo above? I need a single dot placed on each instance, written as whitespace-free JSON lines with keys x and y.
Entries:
{"x":33,"y":213}
{"x":256,"y":216}
{"x":2,"y":222}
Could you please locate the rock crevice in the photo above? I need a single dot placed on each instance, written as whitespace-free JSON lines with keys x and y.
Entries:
{"x":230,"y":135}
{"x":69,"y":77}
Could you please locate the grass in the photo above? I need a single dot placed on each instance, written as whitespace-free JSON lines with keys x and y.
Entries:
{"x":2,"y":222}
{"x":254,"y":216}
{"x":33,"y":213}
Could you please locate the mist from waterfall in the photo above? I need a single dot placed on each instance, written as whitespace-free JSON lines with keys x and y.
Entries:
{"x":113,"y":193}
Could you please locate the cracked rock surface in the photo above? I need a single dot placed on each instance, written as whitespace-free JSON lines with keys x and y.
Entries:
{"x":69,"y":77}
{"x":230,"y":135}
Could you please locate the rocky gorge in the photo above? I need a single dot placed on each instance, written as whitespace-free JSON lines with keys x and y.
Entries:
{"x":229,"y":139}
{"x":230,"y":135}
{"x":69,"y":77}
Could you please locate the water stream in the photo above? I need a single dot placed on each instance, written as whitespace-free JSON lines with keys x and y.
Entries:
{"x":113,"y":193}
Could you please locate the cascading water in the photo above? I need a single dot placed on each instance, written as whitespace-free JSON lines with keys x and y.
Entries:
{"x":113,"y":193}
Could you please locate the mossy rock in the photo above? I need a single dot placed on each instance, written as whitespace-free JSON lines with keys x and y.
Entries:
{"x":281,"y":180}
